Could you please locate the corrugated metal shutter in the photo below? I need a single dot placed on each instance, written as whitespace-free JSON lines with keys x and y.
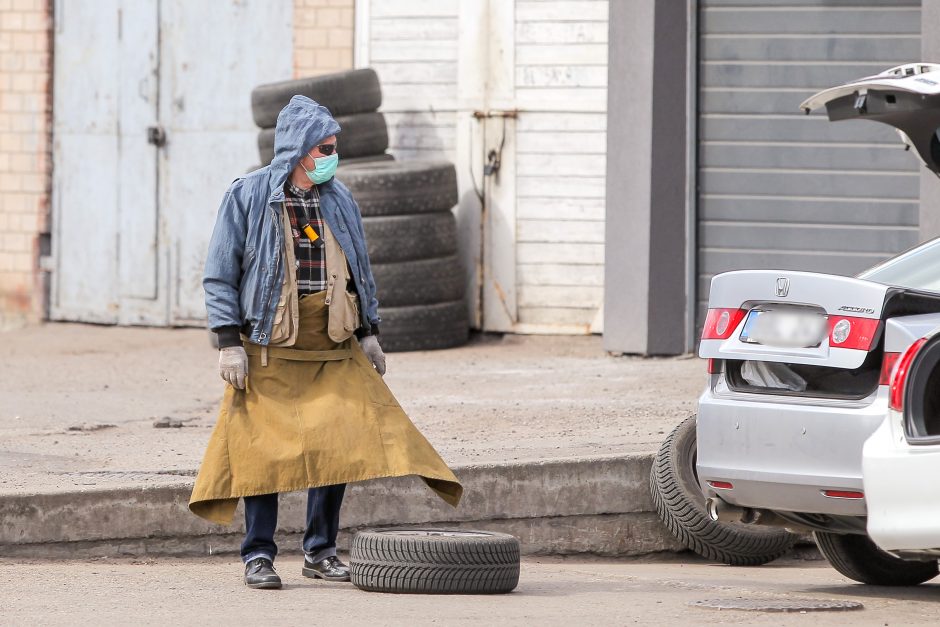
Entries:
{"x":778,"y":189}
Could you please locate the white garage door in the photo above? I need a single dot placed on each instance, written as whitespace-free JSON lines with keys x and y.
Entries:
{"x":778,"y":189}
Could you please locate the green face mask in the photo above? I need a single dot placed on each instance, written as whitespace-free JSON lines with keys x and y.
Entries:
{"x":323,"y":170}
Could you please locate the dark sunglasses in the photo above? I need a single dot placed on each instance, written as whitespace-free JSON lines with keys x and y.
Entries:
{"x":326,"y":149}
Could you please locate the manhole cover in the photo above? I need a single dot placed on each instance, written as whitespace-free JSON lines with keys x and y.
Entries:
{"x":779,"y":605}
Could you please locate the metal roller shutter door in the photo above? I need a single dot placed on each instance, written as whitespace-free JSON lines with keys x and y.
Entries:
{"x":777,"y":188}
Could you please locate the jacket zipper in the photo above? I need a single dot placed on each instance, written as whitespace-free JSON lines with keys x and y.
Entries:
{"x":277,"y":264}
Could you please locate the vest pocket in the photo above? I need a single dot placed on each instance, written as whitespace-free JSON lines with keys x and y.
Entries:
{"x":351,"y":312}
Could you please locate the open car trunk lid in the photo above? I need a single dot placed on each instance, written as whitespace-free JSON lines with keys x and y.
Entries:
{"x":821,"y":299}
{"x":906,"y":97}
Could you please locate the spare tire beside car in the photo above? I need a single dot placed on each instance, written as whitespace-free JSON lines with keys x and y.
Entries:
{"x":434,"y":561}
{"x":680,"y":503}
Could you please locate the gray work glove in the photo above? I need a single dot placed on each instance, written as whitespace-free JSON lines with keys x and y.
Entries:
{"x":370,"y":346}
{"x":233,"y":365}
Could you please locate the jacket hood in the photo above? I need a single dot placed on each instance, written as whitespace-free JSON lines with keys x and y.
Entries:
{"x":301,"y":125}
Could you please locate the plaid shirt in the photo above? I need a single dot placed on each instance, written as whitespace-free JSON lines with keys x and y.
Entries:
{"x":310,"y":256}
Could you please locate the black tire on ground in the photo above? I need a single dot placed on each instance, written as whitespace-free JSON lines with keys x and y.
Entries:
{"x":363,"y":134}
{"x":424,"y":327}
{"x":402,"y":187}
{"x":429,"y":561}
{"x":680,"y":503}
{"x":343,"y":93}
{"x":393,"y":239}
{"x":419,"y":282}
{"x":858,"y":558}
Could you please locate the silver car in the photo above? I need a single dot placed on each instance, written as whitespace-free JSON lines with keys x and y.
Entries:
{"x":804,"y":367}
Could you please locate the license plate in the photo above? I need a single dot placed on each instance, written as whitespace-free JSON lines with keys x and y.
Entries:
{"x":784,"y":328}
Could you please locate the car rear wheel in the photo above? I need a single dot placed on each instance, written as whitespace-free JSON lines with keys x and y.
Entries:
{"x":680,"y":503}
{"x":858,"y":558}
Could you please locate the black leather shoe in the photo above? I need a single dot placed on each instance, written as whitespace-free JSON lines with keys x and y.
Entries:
{"x":330,"y":569}
{"x":259,"y":573}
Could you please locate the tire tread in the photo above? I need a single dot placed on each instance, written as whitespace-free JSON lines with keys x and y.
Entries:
{"x":424,"y":327}
{"x":381,"y":561}
{"x":682,"y":510}
{"x":401,"y":187}
{"x":343,"y":93}
{"x":858,"y":558}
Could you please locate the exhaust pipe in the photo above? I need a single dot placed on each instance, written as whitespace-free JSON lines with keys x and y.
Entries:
{"x":723,"y":511}
{"x":720,"y":510}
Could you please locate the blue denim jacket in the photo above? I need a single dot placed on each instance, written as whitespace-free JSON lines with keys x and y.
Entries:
{"x":245,"y":266}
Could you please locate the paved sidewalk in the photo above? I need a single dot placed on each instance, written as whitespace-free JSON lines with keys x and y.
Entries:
{"x":78,"y":402}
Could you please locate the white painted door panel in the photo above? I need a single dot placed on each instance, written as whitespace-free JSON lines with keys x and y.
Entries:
{"x":85,"y":228}
{"x":85,"y":158}
{"x":141,"y":272}
{"x":213,"y":54}
{"x":131,"y":220}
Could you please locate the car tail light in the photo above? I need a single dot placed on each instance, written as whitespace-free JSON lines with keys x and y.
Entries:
{"x":887,"y":365}
{"x":721,"y":485}
{"x":721,"y":323}
{"x":855,"y":333}
{"x":843,"y":494}
{"x":899,"y":377}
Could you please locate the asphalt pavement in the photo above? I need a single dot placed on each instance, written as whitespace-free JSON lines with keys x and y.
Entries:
{"x":552,"y":591}
{"x":87,"y":408}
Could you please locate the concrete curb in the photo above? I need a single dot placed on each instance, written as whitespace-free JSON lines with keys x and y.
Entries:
{"x":589,"y":505}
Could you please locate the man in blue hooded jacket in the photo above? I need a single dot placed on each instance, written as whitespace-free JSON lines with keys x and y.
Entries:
{"x":271,"y":247}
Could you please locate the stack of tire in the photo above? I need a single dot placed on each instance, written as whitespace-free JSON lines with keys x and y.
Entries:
{"x":412,"y":237}
{"x":406,"y":210}
{"x":352,"y":97}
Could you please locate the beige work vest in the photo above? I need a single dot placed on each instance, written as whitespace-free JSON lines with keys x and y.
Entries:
{"x":343,"y":306}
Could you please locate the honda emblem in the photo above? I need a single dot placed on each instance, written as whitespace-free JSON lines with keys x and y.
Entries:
{"x":783,"y":286}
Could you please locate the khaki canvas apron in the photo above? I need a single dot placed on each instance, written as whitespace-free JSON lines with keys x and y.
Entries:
{"x":317,"y":414}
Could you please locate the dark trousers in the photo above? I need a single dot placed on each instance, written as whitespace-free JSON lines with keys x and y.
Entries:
{"x":323,"y":505}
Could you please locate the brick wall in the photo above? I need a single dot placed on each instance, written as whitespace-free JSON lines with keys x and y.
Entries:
{"x":323,"y":36}
{"x":25,"y":154}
